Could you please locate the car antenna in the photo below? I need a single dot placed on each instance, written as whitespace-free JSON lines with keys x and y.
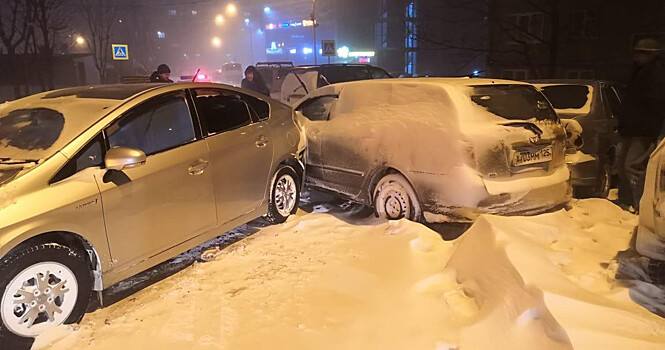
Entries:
{"x":196,"y":75}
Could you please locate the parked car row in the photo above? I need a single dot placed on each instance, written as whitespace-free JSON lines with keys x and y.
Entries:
{"x":100,"y":183}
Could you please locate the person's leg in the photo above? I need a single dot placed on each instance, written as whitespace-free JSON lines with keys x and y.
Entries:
{"x":625,"y":189}
{"x":637,"y":159}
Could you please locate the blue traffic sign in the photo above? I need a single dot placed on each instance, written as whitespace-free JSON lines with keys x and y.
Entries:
{"x":120,"y":52}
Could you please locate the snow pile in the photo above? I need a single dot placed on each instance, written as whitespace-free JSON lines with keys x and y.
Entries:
{"x":325,"y":281}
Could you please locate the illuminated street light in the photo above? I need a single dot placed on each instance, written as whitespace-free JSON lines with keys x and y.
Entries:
{"x":231,"y":9}
{"x":219,"y":20}
{"x":80,"y":40}
{"x":216,"y":42}
{"x":267,"y":10}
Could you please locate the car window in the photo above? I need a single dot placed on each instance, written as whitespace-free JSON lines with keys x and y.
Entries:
{"x":567,"y":96}
{"x":342,"y":74}
{"x":92,"y":155}
{"x":318,"y":109}
{"x":221,"y":110}
{"x":516,"y":102}
{"x":613,"y":101}
{"x":378,"y":73}
{"x":161,"y":124}
{"x":259,"y":108}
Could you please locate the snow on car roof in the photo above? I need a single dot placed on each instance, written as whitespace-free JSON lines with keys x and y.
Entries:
{"x":462,"y":81}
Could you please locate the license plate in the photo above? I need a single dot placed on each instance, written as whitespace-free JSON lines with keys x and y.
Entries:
{"x":532,"y":157}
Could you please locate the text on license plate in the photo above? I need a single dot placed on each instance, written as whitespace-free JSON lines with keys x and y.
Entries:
{"x":532,"y":157}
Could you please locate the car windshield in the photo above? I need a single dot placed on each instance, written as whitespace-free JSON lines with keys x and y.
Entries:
{"x":567,"y":96}
{"x":515,"y":102}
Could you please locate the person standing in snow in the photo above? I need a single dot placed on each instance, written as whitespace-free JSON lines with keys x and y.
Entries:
{"x":254,"y":82}
{"x":161,"y":75}
{"x":641,"y":120}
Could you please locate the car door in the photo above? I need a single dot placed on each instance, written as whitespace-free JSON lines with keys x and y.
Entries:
{"x":313,"y":116}
{"x":151,"y":208}
{"x":241,"y":150}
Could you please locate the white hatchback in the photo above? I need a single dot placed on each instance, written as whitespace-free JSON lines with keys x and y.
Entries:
{"x":437,"y":149}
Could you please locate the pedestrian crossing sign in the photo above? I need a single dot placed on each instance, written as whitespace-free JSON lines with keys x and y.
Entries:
{"x":120,"y":52}
{"x":328,"y":48}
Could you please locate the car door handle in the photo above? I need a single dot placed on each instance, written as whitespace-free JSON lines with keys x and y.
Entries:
{"x":198,"y":168}
{"x":262,"y":142}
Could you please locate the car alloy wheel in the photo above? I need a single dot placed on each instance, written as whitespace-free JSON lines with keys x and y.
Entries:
{"x":40,"y":297}
{"x":285,"y":195}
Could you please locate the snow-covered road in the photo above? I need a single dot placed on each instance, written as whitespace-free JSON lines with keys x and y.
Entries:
{"x":338,"y":279}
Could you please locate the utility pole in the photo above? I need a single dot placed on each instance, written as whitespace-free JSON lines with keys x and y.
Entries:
{"x":314,"y":24}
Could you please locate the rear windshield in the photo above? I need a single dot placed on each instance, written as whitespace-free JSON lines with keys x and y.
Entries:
{"x":517,"y":102}
{"x":567,"y":96}
{"x":344,"y":74}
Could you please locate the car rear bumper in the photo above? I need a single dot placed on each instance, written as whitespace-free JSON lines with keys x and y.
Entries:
{"x":526,"y":196}
{"x":649,"y":244}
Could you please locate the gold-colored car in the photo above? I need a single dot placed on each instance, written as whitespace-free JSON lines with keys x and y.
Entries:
{"x":100,"y":183}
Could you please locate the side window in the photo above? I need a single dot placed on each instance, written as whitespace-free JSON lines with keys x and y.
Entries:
{"x":220,"y":110}
{"x":613,"y":101}
{"x":259,"y":108}
{"x":378,"y":73}
{"x":159,"y":125}
{"x":318,"y":109}
{"x":92,"y":155}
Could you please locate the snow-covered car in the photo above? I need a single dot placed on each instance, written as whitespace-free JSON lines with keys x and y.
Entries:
{"x":303,"y":80}
{"x":651,"y":230}
{"x":100,"y":183}
{"x":594,"y":104}
{"x":444,"y":149}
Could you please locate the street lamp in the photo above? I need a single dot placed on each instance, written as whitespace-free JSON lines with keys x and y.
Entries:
{"x":219,"y":20}
{"x":80,"y":40}
{"x":231,"y":9}
{"x":216,"y":42}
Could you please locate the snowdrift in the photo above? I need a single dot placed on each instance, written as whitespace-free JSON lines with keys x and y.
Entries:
{"x":324,"y":281}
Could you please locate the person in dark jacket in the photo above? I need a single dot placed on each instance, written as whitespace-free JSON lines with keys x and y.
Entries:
{"x":254,"y":82}
{"x":161,"y":75}
{"x":641,"y":120}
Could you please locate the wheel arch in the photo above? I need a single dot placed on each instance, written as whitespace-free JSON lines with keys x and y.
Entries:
{"x":74,"y":241}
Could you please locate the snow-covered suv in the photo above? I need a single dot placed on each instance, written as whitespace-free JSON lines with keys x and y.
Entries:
{"x":437,"y":149}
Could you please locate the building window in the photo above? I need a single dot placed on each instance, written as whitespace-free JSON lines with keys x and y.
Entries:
{"x":381,"y":34}
{"x":411,"y":39}
{"x":161,"y":35}
{"x":583,"y":23}
{"x":194,"y":12}
{"x":580,"y":74}
{"x":515,"y":74}
{"x":173,"y":12}
{"x":525,"y":27}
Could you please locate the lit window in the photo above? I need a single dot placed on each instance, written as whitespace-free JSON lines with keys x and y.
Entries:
{"x":173,"y":12}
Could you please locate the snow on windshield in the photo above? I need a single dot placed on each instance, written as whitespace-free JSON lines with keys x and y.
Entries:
{"x":515,"y":102}
{"x":27,"y":133}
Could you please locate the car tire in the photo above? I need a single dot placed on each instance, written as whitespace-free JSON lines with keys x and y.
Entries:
{"x":395,"y":199}
{"x":602,"y":187}
{"x":284,"y":195}
{"x":48,"y":277}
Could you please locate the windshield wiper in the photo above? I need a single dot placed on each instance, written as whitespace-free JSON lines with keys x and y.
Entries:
{"x":17,"y":161}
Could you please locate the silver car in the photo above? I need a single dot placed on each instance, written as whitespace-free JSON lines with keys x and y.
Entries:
{"x":100,"y":183}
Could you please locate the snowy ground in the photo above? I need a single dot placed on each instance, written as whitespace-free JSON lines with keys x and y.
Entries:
{"x":337,"y":278}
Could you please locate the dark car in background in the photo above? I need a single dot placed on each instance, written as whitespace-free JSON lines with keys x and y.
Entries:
{"x":273,"y":74}
{"x":305,"y":79}
{"x":594,"y":104}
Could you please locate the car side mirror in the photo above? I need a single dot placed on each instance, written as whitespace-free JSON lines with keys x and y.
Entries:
{"x":121,"y":158}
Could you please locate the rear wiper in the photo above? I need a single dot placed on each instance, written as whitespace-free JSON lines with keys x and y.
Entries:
{"x":529,"y":126}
